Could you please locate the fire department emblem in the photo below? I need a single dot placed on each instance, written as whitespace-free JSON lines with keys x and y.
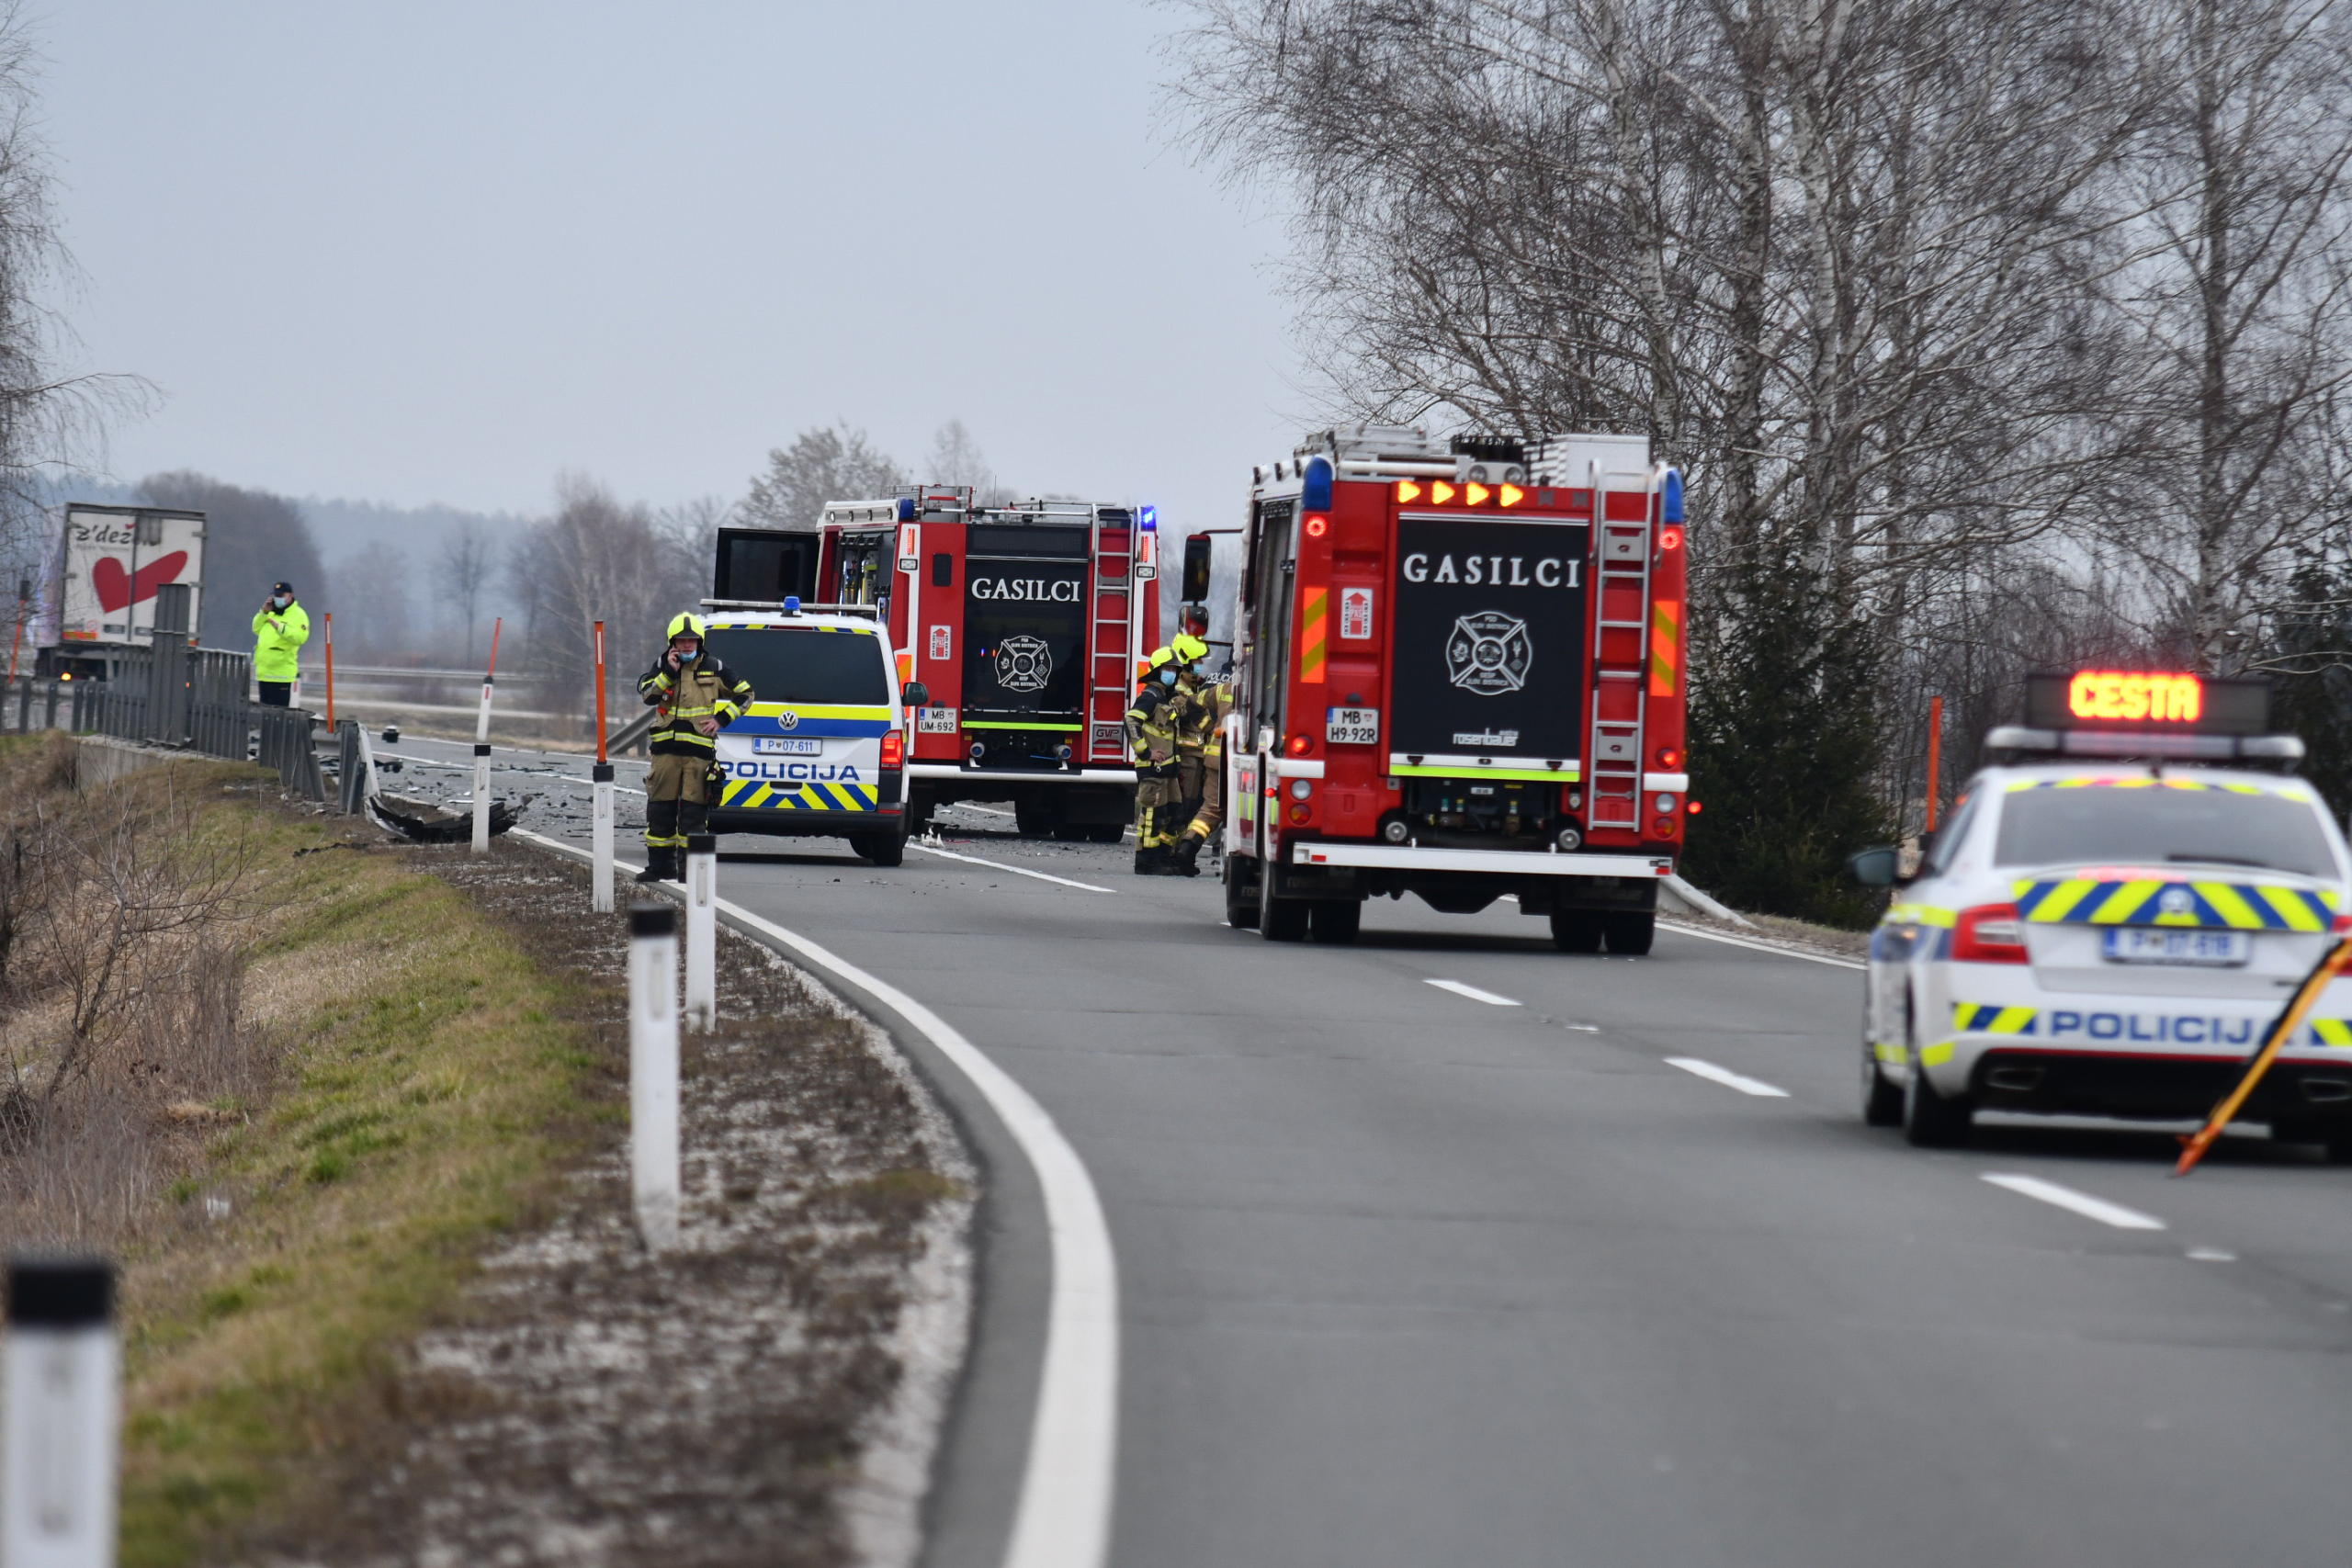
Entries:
{"x":1489,"y":653}
{"x":1024,"y":664}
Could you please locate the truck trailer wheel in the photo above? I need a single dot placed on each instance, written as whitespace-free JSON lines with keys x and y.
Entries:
{"x":1576,"y":930}
{"x":1630,"y":933}
{"x":1240,"y":895}
{"x":1279,"y":920}
{"x":1335,"y":920}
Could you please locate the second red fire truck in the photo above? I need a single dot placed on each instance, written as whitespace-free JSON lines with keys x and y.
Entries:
{"x":1460,"y":676}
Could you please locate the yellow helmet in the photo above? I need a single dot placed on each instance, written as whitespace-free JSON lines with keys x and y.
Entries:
{"x":685,"y":624}
{"x":1161,"y":656}
{"x":1189,"y":649}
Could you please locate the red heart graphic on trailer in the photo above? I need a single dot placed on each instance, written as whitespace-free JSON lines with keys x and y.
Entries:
{"x":117,"y":588}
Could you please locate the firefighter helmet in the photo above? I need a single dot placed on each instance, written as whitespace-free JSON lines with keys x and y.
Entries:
{"x":1188,"y":649}
{"x":1161,"y":656}
{"x":687,"y":623}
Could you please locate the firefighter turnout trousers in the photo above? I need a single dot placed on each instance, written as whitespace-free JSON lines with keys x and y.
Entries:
{"x":678,"y":796}
{"x":1151,"y":743}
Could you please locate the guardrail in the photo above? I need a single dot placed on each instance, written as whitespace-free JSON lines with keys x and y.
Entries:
{"x":171,"y":694}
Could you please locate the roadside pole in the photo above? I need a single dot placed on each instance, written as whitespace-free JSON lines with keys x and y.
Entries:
{"x":481,"y":748}
{"x":600,"y":835}
{"x":63,"y":1411}
{"x":702,"y":932}
{"x":330,"y":625}
{"x":654,"y":1071}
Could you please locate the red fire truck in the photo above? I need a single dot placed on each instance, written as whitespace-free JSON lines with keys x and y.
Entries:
{"x":1024,"y":624}
{"x":1460,"y":676}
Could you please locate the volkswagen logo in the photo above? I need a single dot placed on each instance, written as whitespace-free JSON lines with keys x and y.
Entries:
{"x":788,"y":719}
{"x":2175,"y":901}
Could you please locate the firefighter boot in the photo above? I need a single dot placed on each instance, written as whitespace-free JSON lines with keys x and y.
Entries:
{"x":1184,"y":859}
{"x":1152,"y":861}
{"x":657,"y":864}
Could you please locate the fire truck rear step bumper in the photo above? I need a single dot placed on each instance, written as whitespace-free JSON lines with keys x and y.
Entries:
{"x":1506,"y":863}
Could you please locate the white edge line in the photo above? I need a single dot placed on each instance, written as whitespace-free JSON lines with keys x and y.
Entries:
{"x":2082,"y":1203}
{"x":1064,"y":1517}
{"x":1474,"y":993}
{"x":1680,"y":929}
{"x":1701,"y":1067}
{"x":1000,"y":866}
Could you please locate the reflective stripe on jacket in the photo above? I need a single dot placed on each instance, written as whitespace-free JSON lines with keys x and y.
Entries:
{"x":704,"y":688}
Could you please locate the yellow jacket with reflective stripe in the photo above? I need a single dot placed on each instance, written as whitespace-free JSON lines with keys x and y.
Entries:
{"x":704,"y":688}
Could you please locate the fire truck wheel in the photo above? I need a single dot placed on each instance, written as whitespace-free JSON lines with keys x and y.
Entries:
{"x":1630,"y":934}
{"x":1035,"y":818}
{"x":1279,"y":920}
{"x":1335,"y":920}
{"x":1240,"y":896}
{"x":1576,"y":930}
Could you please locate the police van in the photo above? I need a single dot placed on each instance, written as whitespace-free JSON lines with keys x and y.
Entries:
{"x":2112,"y":921}
{"x":822,"y":749}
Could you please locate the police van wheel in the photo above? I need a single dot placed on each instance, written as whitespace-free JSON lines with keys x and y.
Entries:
{"x":1576,"y":930}
{"x":882,"y":849}
{"x":1881,"y":1101}
{"x":1240,"y":896}
{"x":1929,"y":1121}
{"x":1630,"y":934}
{"x":1335,"y":920}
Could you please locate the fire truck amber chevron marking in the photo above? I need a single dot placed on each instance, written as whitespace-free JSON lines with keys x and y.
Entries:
{"x":1666,"y":647}
{"x":2216,"y":906}
{"x":1310,"y":634}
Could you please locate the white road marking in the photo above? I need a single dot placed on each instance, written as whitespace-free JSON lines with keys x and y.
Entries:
{"x":2082,"y":1203}
{"x":1474,"y":993}
{"x":1682,"y":930}
{"x":1000,"y":866}
{"x":1728,"y":1079}
{"x":1064,"y":1517}
{"x":968,"y":806}
{"x":2211,"y":1254}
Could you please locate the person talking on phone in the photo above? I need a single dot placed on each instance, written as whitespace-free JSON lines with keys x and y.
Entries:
{"x":281,"y":628}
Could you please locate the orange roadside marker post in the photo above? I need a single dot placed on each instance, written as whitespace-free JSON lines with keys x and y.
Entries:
{"x":2333,"y":963}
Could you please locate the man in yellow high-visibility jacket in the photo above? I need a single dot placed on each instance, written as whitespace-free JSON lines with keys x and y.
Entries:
{"x":281,"y":628}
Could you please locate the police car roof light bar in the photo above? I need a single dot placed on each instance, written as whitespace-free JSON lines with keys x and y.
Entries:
{"x":793,"y":607}
{"x":2120,"y":744}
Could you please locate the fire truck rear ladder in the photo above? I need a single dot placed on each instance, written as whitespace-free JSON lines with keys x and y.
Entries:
{"x":1111,"y":567}
{"x":1622,"y":560}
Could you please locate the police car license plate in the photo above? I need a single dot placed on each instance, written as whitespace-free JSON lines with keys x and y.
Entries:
{"x":1351,"y":726}
{"x":934,"y":721}
{"x":786,"y":746}
{"x":2216,"y":950}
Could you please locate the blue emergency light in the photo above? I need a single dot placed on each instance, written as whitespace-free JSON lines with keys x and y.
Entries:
{"x":1314,"y":495}
{"x":1671,"y":506}
{"x":792,"y":603}
{"x":1150,"y":516}
{"x":906,"y":509}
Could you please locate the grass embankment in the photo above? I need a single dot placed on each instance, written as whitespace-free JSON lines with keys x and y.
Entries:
{"x":424,"y":1081}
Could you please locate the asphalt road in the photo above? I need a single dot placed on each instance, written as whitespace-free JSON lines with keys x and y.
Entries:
{"x":1412,"y":1277}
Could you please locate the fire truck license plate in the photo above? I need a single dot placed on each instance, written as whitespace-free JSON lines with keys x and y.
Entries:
{"x":2220,"y":950}
{"x":1351,"y":726}
{"x":785,"y":746}
{"x":934,"y":721}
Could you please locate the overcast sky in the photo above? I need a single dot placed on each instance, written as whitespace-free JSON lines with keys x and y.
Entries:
{"x":424,"y":252}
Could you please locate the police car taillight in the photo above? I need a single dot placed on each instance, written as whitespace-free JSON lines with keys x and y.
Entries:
{"x":893,"y":748}
{"x":1989,"y":933}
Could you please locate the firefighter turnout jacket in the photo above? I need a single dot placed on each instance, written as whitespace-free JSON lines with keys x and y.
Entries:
{"x":700,"y":688}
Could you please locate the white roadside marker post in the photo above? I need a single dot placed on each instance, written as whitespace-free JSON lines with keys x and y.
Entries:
{"x":654,"y":1071}
{"x":63,"y":1412}
{"x":481,"y":748}
{"x":702,"y":932}
{"x":600,"y":836}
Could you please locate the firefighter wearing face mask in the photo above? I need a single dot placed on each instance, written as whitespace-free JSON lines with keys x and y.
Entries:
{"x":694,"y":697}
{"x":1151,"y":745}
{"x":1195,"y":713}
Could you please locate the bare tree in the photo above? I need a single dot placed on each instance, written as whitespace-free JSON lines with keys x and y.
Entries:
{"x":461,"y":571}
{"x":956,"y":459}
{"x":372,"y":586}
{"x":821,"y":465}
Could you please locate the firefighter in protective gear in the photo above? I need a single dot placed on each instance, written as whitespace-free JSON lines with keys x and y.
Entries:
{"x":694,"y":697}
{"x":1151,"y":745}
{"x":1210,"y":702}
{"x":1194,"y":709}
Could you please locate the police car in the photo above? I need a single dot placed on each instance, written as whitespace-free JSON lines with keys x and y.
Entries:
{"x":2112,"y":919}
{"x":822,"y":747}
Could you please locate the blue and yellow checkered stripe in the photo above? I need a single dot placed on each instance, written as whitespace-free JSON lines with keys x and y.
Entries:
{"x":2215,"y":905}
{"x":2142,"y":781}
{"x":765,"y":795}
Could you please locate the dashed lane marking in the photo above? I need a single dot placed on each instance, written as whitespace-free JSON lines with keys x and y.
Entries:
{"x":1728,"y":1079}
{"x":1475,"y":993}
{"x":2082,"y":1203}
{"x":1000,"y":866}
{"x":1063,"y":1519}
